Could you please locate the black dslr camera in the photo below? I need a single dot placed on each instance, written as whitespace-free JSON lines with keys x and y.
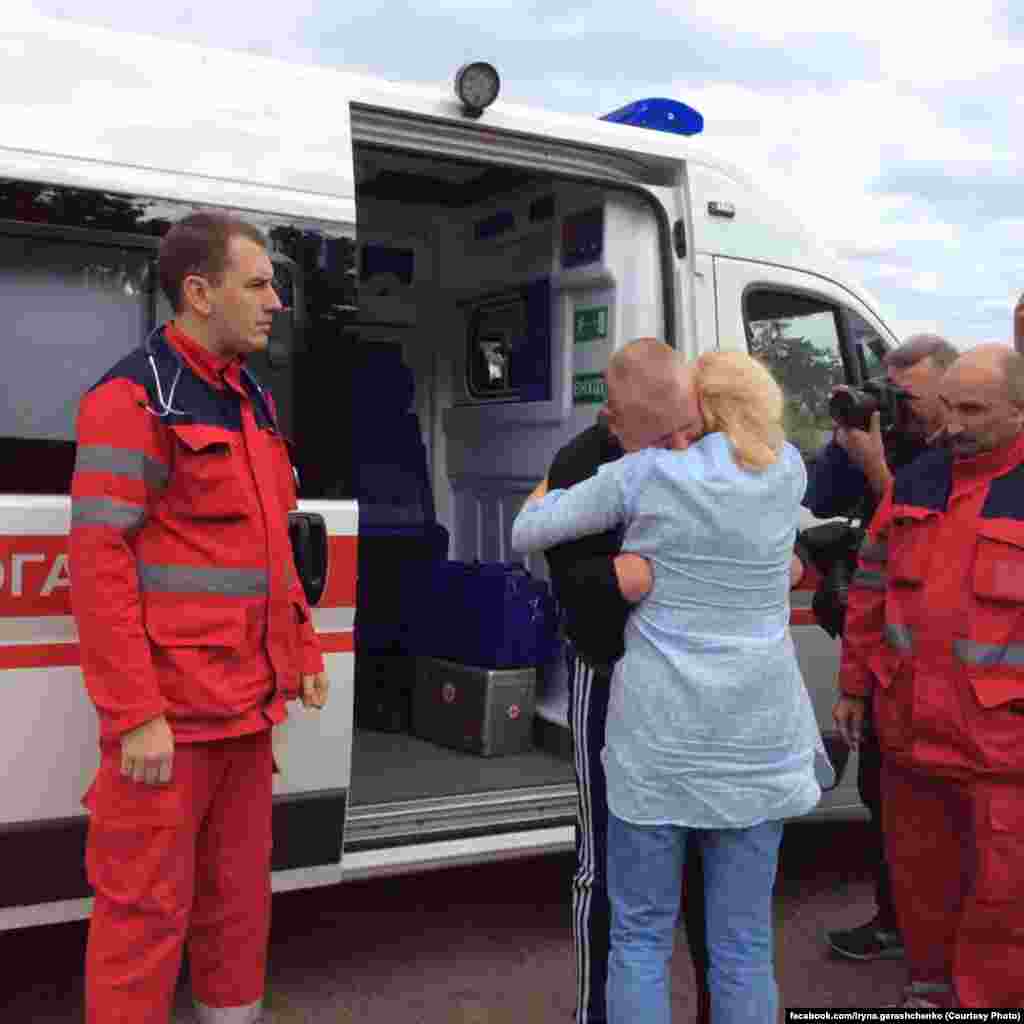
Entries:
{"x":854,"y":407}
{"x":832,"y":549}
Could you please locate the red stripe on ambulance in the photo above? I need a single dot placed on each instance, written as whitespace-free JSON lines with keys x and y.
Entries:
{"x":39,"y":656}
{"x":34,"y":577}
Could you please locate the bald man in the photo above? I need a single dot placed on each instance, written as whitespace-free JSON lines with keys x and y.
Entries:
{"x":935,"y":639}
{"x":648,"y":400}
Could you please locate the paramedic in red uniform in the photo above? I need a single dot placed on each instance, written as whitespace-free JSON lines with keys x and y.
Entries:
{"x":194,"y":633}
{"x":935,"y":639}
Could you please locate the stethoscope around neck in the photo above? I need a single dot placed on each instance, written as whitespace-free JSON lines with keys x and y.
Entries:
{"x":166,"y":404}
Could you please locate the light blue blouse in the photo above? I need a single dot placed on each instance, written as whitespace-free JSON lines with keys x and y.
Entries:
{"x":709,"y":722}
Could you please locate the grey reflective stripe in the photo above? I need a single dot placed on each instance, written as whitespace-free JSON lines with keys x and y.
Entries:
{"x":107,"y":512}
{"x":249,"y":1014}
{"x":974,"y":653}
{"x":900,"y":637}
{"x":184,"y":579}
{"x":872,"y":551}
{"x":101,"y":458}
{"x":869,"y":580}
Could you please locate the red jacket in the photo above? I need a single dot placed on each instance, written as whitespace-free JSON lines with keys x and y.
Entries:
{"x":935,"y":623}
{"x":183,"y":582}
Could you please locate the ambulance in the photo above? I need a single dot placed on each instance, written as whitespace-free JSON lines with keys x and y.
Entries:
{"x":456,"y":270}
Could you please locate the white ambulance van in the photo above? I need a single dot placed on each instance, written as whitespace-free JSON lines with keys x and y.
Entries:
{"x":497,"y":254}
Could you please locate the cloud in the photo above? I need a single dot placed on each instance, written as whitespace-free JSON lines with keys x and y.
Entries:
{"x":818,"y":150}
{"x":907,"y":276}
{"x":891,"y":128}
{"x":265,"y":31}
{"x":976,"y":192}
{"x":963,"y":40}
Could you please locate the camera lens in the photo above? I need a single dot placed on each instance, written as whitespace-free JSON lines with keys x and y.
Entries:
{"x":852,"y":408}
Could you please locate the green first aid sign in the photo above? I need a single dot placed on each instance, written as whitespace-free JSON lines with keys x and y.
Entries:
{"x":590,"y":324}
{"x":589,"y":388}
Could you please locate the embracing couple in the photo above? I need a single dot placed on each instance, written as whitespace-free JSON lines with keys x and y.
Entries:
{"x":710,"y":738}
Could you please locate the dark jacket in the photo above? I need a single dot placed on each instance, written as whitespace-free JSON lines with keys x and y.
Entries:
{"x":583,"y":570}
{"x":837,"y":486}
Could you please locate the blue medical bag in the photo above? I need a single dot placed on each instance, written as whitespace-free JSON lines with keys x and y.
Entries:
{"x":488,"y":614}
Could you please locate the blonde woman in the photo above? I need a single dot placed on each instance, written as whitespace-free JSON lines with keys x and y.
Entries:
{"x":710,"y":727}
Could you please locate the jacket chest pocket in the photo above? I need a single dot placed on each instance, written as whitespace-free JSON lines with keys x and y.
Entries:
{"x":911,"y":544}
{"x":999,"y":564}
{"x":207,"y":480}
{"x":993,"y":650}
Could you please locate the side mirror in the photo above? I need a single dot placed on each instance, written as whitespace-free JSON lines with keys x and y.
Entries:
{"x":308,"y":534}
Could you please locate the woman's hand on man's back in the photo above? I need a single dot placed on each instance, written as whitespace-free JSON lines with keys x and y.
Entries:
{"x":634,"y":575}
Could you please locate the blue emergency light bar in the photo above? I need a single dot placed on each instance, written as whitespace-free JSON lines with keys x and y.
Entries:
{"x":660,"y":115}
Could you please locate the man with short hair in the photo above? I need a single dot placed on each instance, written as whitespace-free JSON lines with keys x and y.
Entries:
{"x":850,"y":476}
{"x":596,"y":584}
{"x":194,"y":632}
{"x":935,"y":639}
{"x":856,"y":463}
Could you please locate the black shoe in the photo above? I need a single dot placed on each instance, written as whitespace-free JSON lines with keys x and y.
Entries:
{"x":867,"y":942}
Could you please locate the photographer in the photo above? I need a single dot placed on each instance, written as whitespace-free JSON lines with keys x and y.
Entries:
{"x":848,"y":478}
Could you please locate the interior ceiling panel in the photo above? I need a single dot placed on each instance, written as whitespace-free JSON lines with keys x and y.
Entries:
{"x":400,"y":177}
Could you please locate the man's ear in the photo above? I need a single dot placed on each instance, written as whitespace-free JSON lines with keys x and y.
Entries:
{"x":195,"y":293}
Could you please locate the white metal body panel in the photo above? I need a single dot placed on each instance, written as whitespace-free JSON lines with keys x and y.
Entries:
{"x":50,"y":732}
{"x":397,"y":860}
{"x":762,"y":229}
{"x":734,"y":276}
{"x":90,"y":107}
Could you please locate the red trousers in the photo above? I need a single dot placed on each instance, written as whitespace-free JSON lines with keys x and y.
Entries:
{"x":190,"y":859}
{"x":956,"y":856}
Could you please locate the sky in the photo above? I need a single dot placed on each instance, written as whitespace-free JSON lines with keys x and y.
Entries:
{"x":893,"y":128}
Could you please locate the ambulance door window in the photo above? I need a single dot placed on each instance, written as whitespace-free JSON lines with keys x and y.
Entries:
{"x":868,"y":347}
{"x":797,"y":336}
{"x":72,"y":308}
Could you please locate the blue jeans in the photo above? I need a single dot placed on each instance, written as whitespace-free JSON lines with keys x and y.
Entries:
{"x":645,"y":872}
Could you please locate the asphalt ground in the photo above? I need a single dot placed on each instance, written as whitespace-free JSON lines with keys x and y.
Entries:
{"x":479,"y":945}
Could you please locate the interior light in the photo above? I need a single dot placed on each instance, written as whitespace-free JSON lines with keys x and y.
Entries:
{"x":476,"y":86}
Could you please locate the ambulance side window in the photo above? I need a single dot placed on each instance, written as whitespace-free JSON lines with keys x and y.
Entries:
{"x":798,"y":337}
{"x":79,"y":290}
{"x":73,"y":305}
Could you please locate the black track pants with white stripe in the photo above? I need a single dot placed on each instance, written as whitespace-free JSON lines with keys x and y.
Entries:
{"x":591,"y":912}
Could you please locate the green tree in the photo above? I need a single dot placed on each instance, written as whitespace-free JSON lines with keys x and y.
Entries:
{"x":806,"y":373}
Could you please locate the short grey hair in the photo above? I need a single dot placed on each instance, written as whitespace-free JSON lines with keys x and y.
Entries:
{"x":919,"y":347}
{"x":1014,"y":370}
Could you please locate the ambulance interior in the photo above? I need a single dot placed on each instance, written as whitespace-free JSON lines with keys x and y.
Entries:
{"x":463,"y":381}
